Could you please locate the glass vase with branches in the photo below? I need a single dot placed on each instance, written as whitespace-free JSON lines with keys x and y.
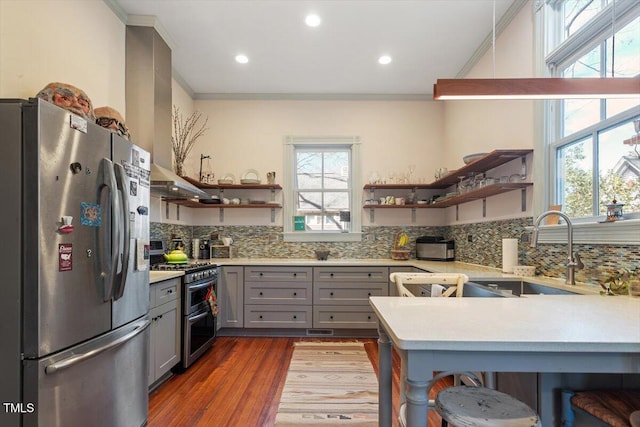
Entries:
{"x":185,"y":133}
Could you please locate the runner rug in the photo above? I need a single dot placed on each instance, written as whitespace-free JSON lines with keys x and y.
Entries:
{"x":329,"y":383}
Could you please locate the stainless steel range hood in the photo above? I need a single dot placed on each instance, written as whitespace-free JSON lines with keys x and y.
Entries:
{"x":148,"y":99}
{"x":167,"y":184}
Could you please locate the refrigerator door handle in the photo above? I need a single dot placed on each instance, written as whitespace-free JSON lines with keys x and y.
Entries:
{"x":121,"y":278}
{"x":69,"y":362}
{"x":108,"y":262}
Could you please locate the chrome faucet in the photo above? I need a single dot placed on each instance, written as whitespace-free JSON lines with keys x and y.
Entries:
{"x":574,"y":262}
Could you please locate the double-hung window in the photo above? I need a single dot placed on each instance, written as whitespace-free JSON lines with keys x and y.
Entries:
{"x":322,"y":180}
{"x":592,"y":144}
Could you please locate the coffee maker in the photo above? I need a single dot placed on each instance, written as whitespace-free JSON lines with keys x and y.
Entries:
{"x":205,"y":249}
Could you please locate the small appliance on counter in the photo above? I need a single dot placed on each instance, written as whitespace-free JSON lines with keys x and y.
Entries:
{"x":435,"y":248}
{"x":205,"y":248}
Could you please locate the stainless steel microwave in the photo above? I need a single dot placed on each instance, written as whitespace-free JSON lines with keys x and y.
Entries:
{"x":435,"y":249}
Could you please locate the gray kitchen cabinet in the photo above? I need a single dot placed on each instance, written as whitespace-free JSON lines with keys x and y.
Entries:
{"x":278,"y":297}
{"x":231,"y":297}
{"x":341,"y":296}
{"x":164,"y":342}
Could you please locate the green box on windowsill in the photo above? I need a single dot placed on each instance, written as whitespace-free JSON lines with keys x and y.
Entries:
{"x":298,"y":223}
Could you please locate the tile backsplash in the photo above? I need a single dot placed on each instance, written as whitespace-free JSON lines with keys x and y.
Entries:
{"x":479,"y":243}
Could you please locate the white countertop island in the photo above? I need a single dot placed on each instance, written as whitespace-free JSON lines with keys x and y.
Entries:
{"x":548,"y":333}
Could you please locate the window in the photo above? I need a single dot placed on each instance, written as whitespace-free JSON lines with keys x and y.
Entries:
{"x":323,"y":190}
{"x":593,"y":151}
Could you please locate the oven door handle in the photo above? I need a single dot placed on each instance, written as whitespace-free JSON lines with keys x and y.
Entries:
{"x":193,"y":320}
{"x":201,"y":286}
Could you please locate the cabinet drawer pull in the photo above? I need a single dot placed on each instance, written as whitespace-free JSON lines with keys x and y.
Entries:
{"x":295,"y":293}
{"x":260,"y":316}
{"x":261,"y":274}
{"x":331,"y":274}
{"x":331,"y":294}
{"x":368,"y":293}
{"x":331,"y":317}
{"x":295,"y":317}
{"x":369,"y":274}
{"x":261,"y":293}
{"x":368,"y":317}
{"x":295,"y":274}
{"x":170,"y":291}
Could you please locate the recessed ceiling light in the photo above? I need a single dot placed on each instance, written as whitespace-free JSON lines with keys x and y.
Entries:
{"x":242,"y":59}
{"x":384,"y":60}
{"x":312,"y":20}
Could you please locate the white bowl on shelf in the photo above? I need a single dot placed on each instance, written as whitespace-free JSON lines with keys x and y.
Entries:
{"x":472,"y":157}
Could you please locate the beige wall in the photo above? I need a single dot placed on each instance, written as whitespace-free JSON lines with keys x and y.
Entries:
{"x":481,"y":126}
{"x":80,"y":42}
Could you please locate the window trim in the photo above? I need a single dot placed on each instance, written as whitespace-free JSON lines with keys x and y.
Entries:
{"x":290,"y":144}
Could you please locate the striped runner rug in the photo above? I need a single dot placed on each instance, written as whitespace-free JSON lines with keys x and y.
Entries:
{"x":329,"y":383}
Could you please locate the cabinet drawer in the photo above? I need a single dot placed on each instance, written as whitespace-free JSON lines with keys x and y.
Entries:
{"x":278,"y":274}
{"x":163,"y":292}
{"x":361,"y":317}
{"x":271,"y":316}
{"x":277,"y":293}
{"x":348,"y":293}
{"x":351,"y":274}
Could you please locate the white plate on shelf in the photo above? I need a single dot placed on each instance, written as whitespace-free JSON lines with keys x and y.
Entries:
{"x":227,"y":178}
{"x":251,"y":174}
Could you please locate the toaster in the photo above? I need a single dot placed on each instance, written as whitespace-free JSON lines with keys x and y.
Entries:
{"x":435,"y":248}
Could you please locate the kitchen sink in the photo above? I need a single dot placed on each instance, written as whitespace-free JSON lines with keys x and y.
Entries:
{"x":475,"y":290}
{"x":519,"y":287}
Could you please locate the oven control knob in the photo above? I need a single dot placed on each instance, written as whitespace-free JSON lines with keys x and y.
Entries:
{"x":205,"y":273}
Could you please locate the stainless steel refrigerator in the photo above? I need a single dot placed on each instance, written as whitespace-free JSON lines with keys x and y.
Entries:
{"x":75,"y":295}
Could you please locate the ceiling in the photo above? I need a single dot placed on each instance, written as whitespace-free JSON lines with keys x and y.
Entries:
{"x":427,"y":40}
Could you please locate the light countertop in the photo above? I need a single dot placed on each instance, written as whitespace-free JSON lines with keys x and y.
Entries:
{"x":159,"y":276}
{"x":584,"y":323}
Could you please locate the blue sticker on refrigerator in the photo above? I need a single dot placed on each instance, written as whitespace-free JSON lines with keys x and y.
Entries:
{"x":90,"y":214}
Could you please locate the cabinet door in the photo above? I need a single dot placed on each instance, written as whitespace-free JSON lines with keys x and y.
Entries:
{"x":276,"y":316}
{"x":289,"y":293}
{"x":348,"y":293}
{"x":231,"y":298}
{"x":338,"y":317}
{"x":351,"y":274}
{"x":166,"y":346}
{"x":277,"y":274}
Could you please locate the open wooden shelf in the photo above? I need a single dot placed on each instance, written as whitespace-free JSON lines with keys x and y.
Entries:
{"x":196,"y":204}
{"x":206,"y":186}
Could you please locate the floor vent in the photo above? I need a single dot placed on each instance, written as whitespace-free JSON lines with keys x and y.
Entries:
{"x":319,"y":332}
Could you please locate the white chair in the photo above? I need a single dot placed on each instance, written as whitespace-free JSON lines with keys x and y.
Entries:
{"x":454,"y":283}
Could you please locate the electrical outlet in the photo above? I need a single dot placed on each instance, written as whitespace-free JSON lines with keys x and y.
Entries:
{"x":525,"y":238}
{"x":470,"y":238}
{"x":273,"y":238}
{"x":371,"y":237}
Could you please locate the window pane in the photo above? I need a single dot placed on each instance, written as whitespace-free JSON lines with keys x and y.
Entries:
{"x":335,"y":202}
{"x":579,"y":12}
{"x":626,"y":62}
{"x":619,"y":168}
{"x":627,"y":51}
{"x":579,"y":114}
{"x":336,"y":169}
{"x":308,"y":169}
{"x":309,"y":202}
{"x":575,"y":178}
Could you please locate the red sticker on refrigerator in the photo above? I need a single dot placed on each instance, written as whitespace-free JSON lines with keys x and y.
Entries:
{"x":65,"y":258}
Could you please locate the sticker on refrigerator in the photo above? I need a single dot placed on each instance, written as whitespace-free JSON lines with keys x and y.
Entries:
{"x":90,"y":214}
{"x":65,"y":257}
{"x":133,"y":188}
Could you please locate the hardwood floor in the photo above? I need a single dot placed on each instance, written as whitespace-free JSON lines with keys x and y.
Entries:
{"x":238,"y":383}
